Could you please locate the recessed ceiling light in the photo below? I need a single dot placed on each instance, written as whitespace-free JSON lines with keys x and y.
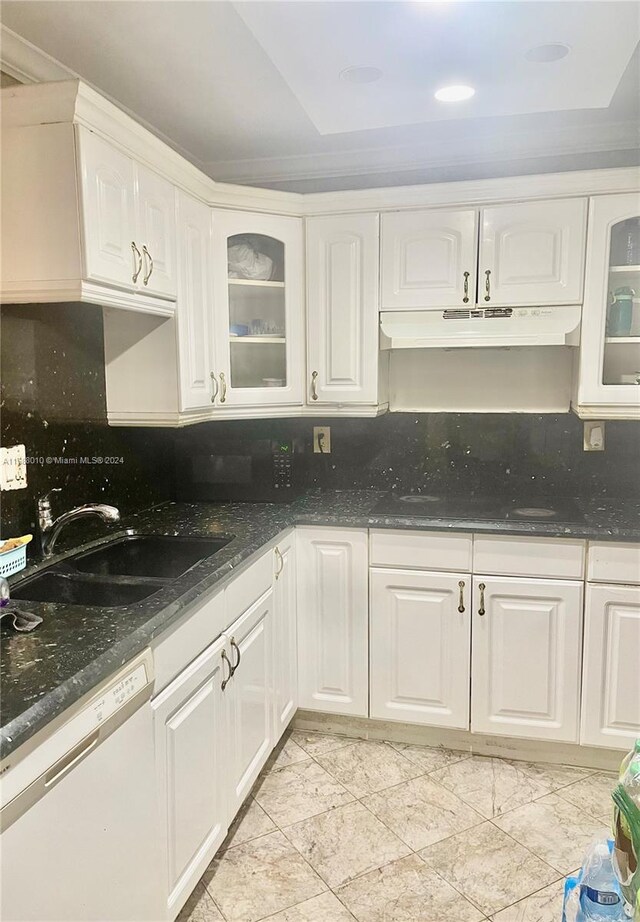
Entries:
{"x":544,"y":54}
{"x":361,"y":73}
{"x":456,"y":93}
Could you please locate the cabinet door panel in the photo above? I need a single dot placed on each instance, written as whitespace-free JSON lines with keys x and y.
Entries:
{"x":249,"y":699}
{"x":195,"y":304}
{"x":190,"y":750}
{"x":534,"y":253}
{"x":611,"y":680}
{"x":259,"y":321}
{"x":420,"y":647}
{"x":285,"y":645}
{"x":332,"y":620}
{"x":526,"y":657}
{"x":108,"y":206}
{"x":606,"y":380}
{"x":425,"y":255}
{"x":157,"y":232}
{"x":342,"y":328}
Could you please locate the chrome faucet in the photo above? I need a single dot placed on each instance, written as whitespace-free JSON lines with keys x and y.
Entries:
{"x":49,"y":528}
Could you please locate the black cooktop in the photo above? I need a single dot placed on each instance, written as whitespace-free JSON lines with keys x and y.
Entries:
{"x":480,"y":508}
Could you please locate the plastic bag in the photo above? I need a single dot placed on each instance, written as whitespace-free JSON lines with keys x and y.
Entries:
{"x":246,"y":262}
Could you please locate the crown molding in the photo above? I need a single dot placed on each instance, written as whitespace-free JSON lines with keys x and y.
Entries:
{"x":27,"y":63}
{"x":443,"y":153}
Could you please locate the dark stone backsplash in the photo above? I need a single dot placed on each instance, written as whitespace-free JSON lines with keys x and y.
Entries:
{"x":516,"y":455}
{"x":53,"y":401}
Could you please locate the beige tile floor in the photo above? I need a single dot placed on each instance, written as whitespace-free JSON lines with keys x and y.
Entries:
{"x":338,"y":830}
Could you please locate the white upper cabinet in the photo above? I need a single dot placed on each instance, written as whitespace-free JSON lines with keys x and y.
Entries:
{"x":526,"y":662}
{"x":128,"y":220}
{"x":156,"y":201}
{"x":429,"y":259}
{"x":194,"y":313}
{"x":342,"y":309}
{"x":611,"y":681}
{"x":259,"y":308}
{"x":609,"y":376}
{"x":420,"y":643}
{"x":111,"y":253}
{"x":532,"y":253}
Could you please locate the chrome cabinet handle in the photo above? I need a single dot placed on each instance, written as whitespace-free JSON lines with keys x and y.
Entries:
{"x":487,"y":285}
{"x":225,"y":659}
{"x":223,"y":386}
{"x":280,"y":560}
{"x":136,"y":255}
{"x":314,"y":385}
{"x":145,"y":280}
{"x":465,"y":300}
{"x":234,"y":646}
{"x":482,"y":588}
{"x":461,"y":598}
{"x":214,"y":387}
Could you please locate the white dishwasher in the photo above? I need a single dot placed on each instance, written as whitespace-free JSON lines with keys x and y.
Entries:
{"x":79,"y":831}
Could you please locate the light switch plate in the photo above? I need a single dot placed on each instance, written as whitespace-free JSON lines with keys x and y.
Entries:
{"x":593,"y":435}
{"x":322,"y":440}
{"x":13,"y":468}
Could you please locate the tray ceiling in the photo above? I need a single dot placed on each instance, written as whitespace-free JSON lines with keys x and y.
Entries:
{"x":251,"y":92}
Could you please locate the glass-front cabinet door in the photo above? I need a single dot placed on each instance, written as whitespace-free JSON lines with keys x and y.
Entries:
{"x":259,"y":309}
{"x":609,"y":377}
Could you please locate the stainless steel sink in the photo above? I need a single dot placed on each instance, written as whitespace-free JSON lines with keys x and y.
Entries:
{"x":76,"y":590}
{"x":120,"y":573}
{"x":161,"y":556}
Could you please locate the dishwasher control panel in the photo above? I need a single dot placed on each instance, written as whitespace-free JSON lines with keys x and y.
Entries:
{"x":119,"y":694}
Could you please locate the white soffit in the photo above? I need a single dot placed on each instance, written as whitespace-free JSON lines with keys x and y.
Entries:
{"x":421,"y":46}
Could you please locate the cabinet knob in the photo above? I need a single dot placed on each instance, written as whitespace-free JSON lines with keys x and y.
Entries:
{"x":223,"y":388}
{"x":214,"y":388}
{"x":465,"y":299}
{"x":314,"y":385}
{"x":280,"y":560}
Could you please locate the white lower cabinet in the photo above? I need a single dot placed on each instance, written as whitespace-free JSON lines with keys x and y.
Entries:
{"x":332,"y":568}
{"x":526,"y":662}
{"x":285,"y":645}
{"x":611,"y":680}
{"x":248,"y":699}
{"x":191,"y":759}
{"x":420,"y":639}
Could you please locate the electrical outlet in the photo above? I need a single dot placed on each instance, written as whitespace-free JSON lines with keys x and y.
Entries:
{"x":322,"y":440}
{"x":13,"y":468}
{"x":593,"y":436}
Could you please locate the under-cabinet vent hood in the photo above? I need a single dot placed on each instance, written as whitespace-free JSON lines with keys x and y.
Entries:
{"x":489,"y":326}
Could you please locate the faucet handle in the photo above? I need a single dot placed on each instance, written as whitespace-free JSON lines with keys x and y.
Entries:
{"x":45,"y":498}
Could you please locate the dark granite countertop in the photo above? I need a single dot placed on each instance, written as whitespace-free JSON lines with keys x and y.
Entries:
{"x":76,"y":648}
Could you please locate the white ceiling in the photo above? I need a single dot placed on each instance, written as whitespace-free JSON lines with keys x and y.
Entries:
{"x":251,"y":92}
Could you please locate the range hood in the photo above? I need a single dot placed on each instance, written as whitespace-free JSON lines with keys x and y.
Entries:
{"x":489,"y":326}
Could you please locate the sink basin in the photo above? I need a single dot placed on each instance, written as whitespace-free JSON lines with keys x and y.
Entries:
{"x":74,"y":590}
{"x":160,"y":556}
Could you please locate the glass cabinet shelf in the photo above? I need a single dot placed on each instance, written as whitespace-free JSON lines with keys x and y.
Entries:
{"x":262,"y":340}
{"x":256,"y":283}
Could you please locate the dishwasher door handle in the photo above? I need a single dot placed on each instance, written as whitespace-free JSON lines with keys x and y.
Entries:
{"x":70,"y":760}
